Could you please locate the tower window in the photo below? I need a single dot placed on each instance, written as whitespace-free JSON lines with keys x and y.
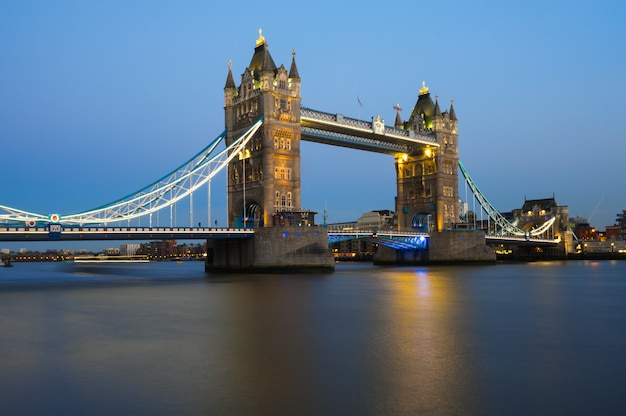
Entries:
{"x":282,"y":173}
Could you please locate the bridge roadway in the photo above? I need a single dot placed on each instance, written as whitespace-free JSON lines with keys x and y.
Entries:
{"x":57,"y":232}
{"x":68,"y":233}
{"x":517,"y":240}
{"x":401,"y":240}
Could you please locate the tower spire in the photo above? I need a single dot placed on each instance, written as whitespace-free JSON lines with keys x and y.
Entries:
{"x":398,"y":123}
{"x":230,"y":81}
{"x":293,"y":71}
{"x":452,"y":113}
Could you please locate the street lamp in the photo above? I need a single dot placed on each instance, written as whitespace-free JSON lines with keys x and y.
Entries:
{"x":243,"y":156}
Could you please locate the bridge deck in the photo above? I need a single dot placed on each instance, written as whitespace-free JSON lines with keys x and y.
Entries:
{"x":8,"y":233}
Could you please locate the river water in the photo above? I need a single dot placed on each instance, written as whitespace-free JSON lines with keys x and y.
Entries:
{"x":166,"y":339}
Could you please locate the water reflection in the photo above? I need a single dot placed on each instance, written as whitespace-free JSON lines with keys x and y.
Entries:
{"x":381,"y":342}
{"x":519,"y":339}
{"x":423,"y":354}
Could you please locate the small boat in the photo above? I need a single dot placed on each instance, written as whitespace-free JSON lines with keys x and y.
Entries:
{"x":110,"y":259}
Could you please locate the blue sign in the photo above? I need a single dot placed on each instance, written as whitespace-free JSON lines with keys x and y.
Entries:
{"x":54,"y":230}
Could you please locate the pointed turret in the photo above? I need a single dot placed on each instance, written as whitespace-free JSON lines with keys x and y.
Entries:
{"x":452,"y":113}
{"x":454,"y":122}
{"x":230,"y":89}
{"x":438,"y":118}
{"x":294,"y":76}
{"x":293,"y":71}
{"x":398,"y":124}
{"x":230,"y":81}
{"x":437,"y":110}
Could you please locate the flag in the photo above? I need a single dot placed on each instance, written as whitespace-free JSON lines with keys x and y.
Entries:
{"x":359,"y":101}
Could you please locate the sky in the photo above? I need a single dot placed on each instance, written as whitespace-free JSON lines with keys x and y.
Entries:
{"x":98,"y":99}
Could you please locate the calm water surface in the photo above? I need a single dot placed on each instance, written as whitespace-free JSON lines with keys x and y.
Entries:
{"x":165,"y":339}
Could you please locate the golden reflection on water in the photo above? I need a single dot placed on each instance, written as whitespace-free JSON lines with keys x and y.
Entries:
{"x":428,"y":356}
{"x":397,"y":339}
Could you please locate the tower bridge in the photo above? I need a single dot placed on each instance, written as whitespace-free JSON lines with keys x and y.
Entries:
{"x":264,"y":125}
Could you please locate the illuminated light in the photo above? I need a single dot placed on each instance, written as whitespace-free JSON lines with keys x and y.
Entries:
{"x":261,"y":39}
{"x":424,"y":89}
{"x":428,"y":152}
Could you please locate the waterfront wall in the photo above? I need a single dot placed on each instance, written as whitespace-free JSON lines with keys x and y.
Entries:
{"x":272,"y":249}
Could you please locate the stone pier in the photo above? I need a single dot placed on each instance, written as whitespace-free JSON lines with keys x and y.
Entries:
{"x":447,"y":247}
{"x":272,"y":250}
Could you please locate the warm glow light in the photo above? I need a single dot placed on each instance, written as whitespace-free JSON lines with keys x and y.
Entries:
{"x":428,"y":152}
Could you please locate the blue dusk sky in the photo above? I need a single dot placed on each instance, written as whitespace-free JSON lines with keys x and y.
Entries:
{"x":100,"y":98}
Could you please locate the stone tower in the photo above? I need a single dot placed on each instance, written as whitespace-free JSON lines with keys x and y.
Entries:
{"x":427,"y":177}
{"x":264,"y":180}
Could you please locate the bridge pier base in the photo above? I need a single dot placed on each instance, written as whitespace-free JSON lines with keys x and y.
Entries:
{"x":272,"y":250}
{"x":447,"y":247}
{"x":389,"y":256}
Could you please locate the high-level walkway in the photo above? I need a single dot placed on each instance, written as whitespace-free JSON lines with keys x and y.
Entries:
{"x":338,"y":130}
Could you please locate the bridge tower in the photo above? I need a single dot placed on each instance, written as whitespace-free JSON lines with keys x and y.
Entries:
{"x":427,"y":177}
{"x":264,"y":181}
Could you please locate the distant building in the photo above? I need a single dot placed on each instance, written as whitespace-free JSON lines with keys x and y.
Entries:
{"x":583,"y":230}
{"x":129,"y":249}
{"x":621,"y":222}
{"x":372,"y":220}
{"x":158,"y":249}
{"x":113,"y":251}
{"x":613,"y":232}
{"x":377,"y":220}
{"x":536,"y":212}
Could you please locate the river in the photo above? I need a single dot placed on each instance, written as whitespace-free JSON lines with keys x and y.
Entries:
{"x":166,"y":339}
